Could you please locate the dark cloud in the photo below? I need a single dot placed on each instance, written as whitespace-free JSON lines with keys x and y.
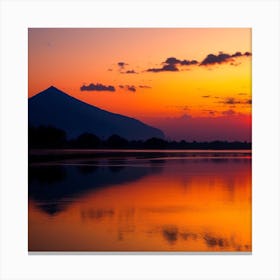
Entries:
{"x":237,"y":54}
{"x":171,"y":64}
{"x":164,"y":68}
{"x":205,"y":96}
{"x":122,"y":64}
{"x":110,"y":69}
{"x":188,"y":62}
{"x":213,"y":59}
{"x":131,"y":88}
{"x":175,"y":61}
{"x":231,"y":101}
{"x":212,"y":112}
{"x":128,"y":87}
{"x":228,"y":113}
{"x":222,"y":58}
{"x":172,"y":60}
{"x":234,"y":101}
{"x":130,"y":72}
{"x":97,"y":87}
{"x":144,"y":86}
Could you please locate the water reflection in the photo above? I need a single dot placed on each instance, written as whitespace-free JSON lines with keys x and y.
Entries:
{"x":53,"y":187}
{"x":97,"y":214}
{"x":170,"y":234}
{"x":143,"y":204}
{"x":87,"y":169}
{"x":46,"y":174}
{"x":214,"y":243}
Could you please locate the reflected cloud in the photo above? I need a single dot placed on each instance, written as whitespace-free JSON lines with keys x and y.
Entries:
{"x":126,"y":223}
{"x":213,"y":241}
{"x":167,"y":209}
{"x":216,"y":242}
{"x":97,"y":214}
{"x":188,"y":235}
{"x":170,"y":233}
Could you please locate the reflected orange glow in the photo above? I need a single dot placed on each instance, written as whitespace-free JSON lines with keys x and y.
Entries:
{"x":193,"y":205}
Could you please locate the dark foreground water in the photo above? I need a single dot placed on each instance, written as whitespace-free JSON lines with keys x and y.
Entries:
{"x":167,"y":201}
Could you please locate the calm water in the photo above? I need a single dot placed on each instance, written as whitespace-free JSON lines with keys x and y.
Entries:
{"x":154,"y":202}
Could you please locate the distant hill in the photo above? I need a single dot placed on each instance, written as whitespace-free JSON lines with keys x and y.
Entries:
{"x":56,"y":108}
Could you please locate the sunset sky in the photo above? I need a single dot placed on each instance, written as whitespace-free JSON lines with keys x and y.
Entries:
{"x":192,"y":83}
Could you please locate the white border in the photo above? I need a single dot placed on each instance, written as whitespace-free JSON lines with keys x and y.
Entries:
{"x":262,"y":16}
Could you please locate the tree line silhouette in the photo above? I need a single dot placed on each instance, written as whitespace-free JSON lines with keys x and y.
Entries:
{"x":46,"y":137}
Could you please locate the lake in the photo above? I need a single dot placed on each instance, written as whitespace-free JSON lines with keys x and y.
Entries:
{"x":143,"y":201}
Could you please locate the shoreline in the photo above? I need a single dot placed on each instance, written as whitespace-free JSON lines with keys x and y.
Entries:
{"x":43,"y":155}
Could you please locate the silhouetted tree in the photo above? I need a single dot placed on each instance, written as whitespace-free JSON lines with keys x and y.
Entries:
{"x":51,"y":137}
{"x":156,"y":143}
{"x":87,"y":140}
{"x":46,"y":137}
{"x":136,"y":144}
{"x":116,"y":141}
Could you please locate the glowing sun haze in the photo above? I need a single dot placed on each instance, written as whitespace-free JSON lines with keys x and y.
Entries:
{"x":193,"y":83}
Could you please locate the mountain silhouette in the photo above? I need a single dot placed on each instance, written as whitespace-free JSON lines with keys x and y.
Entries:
{"x":55,"y":108}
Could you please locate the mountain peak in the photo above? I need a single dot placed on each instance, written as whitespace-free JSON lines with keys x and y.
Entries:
{"x":58,"y":109}
{"x":52,"y":89}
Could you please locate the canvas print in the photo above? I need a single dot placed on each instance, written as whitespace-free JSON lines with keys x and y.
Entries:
{"x":139,"y":140}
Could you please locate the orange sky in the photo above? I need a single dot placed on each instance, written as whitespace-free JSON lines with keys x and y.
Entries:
{"x":71,"y":58}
